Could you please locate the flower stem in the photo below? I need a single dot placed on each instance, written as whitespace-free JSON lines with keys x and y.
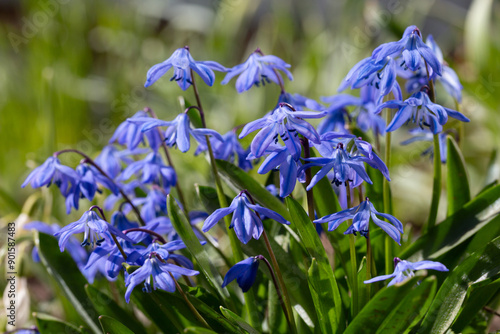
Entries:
{"x":92,"y":162}
{"x":368,"y":266}
{"x":278,"y":290}
{"x":387,"y":196}
{"x":436,"y":186}
{"x":354,"y":265}
{"x":189,"y":304}
{"x":138,"y":229}
{"x":286,"y":299}
{"x":170,"y":163}
{"x":309,"y":193}
{"x":250,"y":302}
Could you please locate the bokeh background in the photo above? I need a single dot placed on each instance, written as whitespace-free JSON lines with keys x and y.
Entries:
{"x":72,"y":70}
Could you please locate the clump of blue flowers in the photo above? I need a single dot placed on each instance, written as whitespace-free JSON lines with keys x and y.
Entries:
{"x":317,"y":163}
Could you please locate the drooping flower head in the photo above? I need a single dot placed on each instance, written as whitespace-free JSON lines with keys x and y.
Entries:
{"x":156,"y":272}
{"x":244,"y":272}
{"x":152,"y":170}
{"x":178,"y":131}
{"x":285,"y":122}
{"x":360,"y":216}
{"x":95,"y":230}
{"x":245,"y":221}
{"x":426,"y":135}
{"x":182,"y":62}
{"x":404,"y":270}
{"x":52,"y":171}
{"x":419,"y":109}
{"x":129,"y":133}
{"x":258,"y":69}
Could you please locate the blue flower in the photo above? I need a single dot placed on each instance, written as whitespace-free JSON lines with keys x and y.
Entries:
{"x":280,"y":156}
{"x":183,"y":63}
{"x":419,"y":109}
{"x":153,"y":205}
{"x":245,"y":222}
{"x":412,"y":49}
{"x":244,"y":272}
{"x":285,"y":122}
{"x":152,"y":170}
{"x":404,"y":270}
{"x":347,"y":166}
{"x":299,"y":102}
{"x":129,"y":133}
{"x":360,"y":216}
{"x":426,"y":135}
{"x":179,"y":131}
{"x":51,"y":171}
{"x":228,"y":149}
{"x":110,"y":159}
{"x":157,"y":267}
{"x":96,"y":230}
{"x":258,"y":69}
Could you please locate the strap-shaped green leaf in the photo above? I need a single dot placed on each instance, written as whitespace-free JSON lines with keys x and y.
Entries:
{"x":480,"y":266}
{"x":64,"y":270}
{"x":411,"y":308}
{"x":307,"y":232}
{"x":380,"y":306}
{"x":48,"y":324}
{"x":106,"y":306}
{"x":185,"y":231}
{"x":237,"y":320}
{"x":457,"y":183}
{"x":113,"y":326}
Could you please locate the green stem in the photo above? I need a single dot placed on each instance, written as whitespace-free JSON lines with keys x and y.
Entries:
{"x":286,"y":297}
{"x":309,"y":193}
{"x":436,"y":186}
{"x":387,"y":197}
{"x":354,"y":265}
{"x":368,"y":266}
{"x":250,"y":302}
{"x":190,"y":305}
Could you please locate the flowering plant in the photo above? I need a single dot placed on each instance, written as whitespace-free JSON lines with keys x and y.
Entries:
{"x":337,"y":172}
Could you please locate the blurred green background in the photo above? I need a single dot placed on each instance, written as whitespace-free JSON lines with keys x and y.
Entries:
{"x":71,"y":71}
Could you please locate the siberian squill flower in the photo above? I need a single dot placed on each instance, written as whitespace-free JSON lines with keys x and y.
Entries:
{"x":95,"y":229}
{"x":182,"y":62}
{"x":179,"y":131}
{"x":244,"y":272}
{"x":111,"y":158}
{"x":285,"y":122}
{"x":152,"y":170}
{"x":360,"y":216}
{"x":129,"y":133}
{"x":426,"y":135}
{"x":258,"y":69}
{"x":418,"y":108}
{"x":156,"y":267}
{"x":51,"y":171}
{"x":279,"y":157}
{"x":245,"y":221}
{"x":404,"y":270}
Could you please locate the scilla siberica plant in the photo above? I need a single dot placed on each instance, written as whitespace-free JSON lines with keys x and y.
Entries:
{"x":153,"y":239}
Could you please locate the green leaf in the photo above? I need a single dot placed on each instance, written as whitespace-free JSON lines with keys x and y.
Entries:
{"x":113,"y":326}
{"x":457,"y":183}
{"x":479,"y":266}
{"x":456,"y":229}
{"x":478,"y":295}
{"x":380,"y":306}
{"x":64,"y":270}
{"x":411,"y":308}
{"x":199,"y":330}
{"x":477,"y":32}
{"x":237,"y":320}
{"x":322,"y":292}
{"x":105,"y":305}
{"x":164,"y":319}
{"x":326,"y":279}
{"x":47,"y":324}
{"x":185,"y":231}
